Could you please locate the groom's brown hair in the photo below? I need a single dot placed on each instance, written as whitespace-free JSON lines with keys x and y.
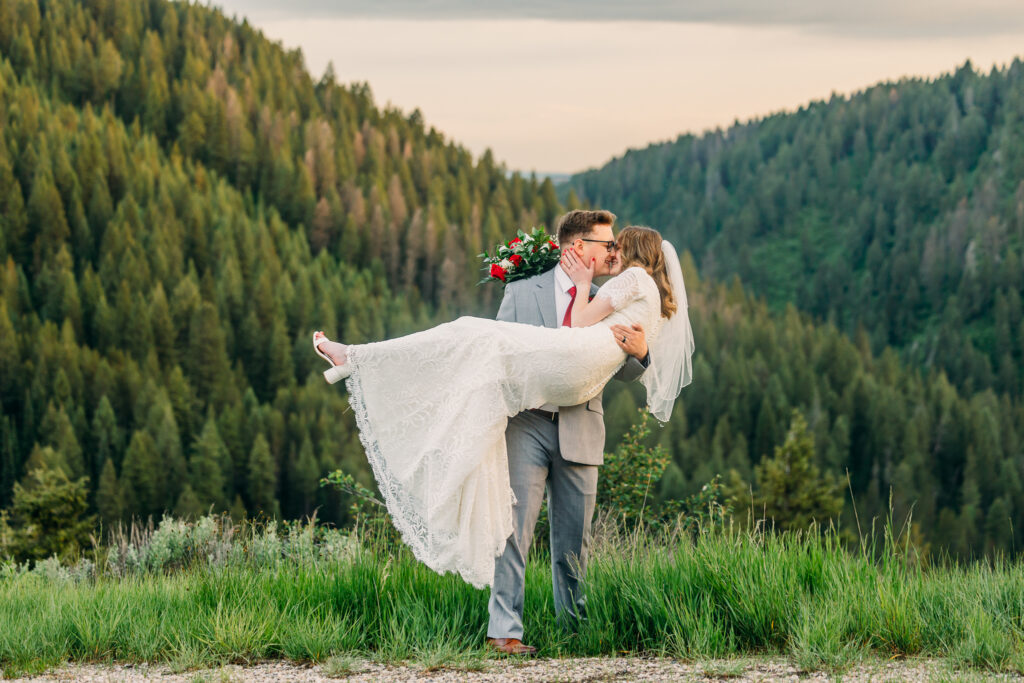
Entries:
{"x":580,"y":222}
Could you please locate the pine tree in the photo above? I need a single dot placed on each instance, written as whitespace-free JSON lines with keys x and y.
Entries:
{"x":187,"y":412}
{"x":13,"y":218}
{"x":106,"y":436}
{"x":59,"y":291}
{"x":188,"y":505}
{"x":23,"y":54}
{"x":766,"y":436}
{"x":46,"y":218}
{"x":305,"y":477}
{"x":238,"y":512}
{"x":191,"y":133}
{"x":141,"y":477}
{"x":170,"y":461}
{"x":279,"y":361}
{"x":107,"y":73}
{"x":45,"y":457}
{"x":155,"y":105}
{"x":60,"y":434}
{"x":49,"y":515}
{"x":791,"y":491}
{"x":10,"y":364}
{"x":206,"y":467}
{"x":209,"y":369}
{"x":262,"y":479}
{"x":8,"y":459}
{"x":231,"y":427}
{"x":109,"y":500}
{"x":164,"y":334}
{"x":99,"y":210}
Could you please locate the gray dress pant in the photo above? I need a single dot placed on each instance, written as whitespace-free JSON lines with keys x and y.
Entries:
{"x":535,"y":463}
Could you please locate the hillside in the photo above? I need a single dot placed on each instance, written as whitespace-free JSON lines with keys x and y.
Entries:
{"x":899,"y":209}
{"x":181,"y":204}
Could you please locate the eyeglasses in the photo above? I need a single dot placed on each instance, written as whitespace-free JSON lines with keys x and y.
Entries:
{"x":610,"y":245}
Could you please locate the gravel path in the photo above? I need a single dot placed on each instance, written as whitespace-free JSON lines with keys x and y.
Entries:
{"x":588,"y":669}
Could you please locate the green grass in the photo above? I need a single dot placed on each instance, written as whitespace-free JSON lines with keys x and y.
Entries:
{"x":727,"y":594}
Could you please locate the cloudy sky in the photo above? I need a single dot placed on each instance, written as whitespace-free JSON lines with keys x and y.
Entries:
{"x":563,"y":85}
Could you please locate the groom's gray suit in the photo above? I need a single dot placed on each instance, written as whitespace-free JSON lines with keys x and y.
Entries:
{"x":564,"y":455}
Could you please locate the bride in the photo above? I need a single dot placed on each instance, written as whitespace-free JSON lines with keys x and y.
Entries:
{"x":432,"y":407}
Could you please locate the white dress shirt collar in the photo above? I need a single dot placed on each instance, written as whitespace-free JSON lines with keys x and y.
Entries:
{"x":562,"y":279}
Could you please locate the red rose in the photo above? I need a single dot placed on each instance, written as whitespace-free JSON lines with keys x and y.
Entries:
{"x":497,"y":271}
{"x":516,"y":259}
{"x":515,"y":241}
{"x":553,"y":245}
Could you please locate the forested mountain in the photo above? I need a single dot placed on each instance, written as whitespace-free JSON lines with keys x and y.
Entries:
{"x":956,"y":460}
{"x":899,"y":208}
{"x":182,"y":204}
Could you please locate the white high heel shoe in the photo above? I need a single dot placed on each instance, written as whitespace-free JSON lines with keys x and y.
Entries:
{"x":334,"y":373}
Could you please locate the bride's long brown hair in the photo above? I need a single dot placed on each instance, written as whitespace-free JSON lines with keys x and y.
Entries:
{"x":641,"y":246}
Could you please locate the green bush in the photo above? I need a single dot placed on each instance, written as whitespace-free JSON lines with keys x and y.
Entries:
{"x":47,"y":517}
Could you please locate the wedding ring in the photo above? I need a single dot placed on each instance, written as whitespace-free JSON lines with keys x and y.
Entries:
{"x":623,"y":339}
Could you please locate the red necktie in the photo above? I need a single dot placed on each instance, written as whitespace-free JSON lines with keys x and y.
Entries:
{"x":567,"y":320}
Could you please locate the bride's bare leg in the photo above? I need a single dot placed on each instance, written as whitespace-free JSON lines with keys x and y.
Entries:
{"x":338,"y":353}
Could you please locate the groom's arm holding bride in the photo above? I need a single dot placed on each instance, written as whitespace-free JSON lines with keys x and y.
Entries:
{"x":632,"y":339}
{"x":635,"y":347}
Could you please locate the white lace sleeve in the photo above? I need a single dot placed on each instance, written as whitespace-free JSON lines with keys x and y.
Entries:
{"x":623,"y":288}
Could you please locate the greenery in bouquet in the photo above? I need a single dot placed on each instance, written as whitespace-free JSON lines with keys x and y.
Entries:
{"x":523,"y":256}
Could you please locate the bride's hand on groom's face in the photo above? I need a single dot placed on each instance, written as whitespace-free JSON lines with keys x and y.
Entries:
{"x":580,"y":273}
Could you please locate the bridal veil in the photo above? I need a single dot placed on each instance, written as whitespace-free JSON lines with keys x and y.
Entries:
{"x":672,"y":348}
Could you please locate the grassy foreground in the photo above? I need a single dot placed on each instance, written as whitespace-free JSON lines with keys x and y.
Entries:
{"x":203,"y":594}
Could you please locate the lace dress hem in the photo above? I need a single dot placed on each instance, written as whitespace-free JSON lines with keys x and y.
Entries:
{"x":411,"y":527}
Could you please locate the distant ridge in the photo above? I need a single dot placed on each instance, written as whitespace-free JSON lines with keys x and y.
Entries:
{"x":899,"y":208}
{"x":555,"y":178}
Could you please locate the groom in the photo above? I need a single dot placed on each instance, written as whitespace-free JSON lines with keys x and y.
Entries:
{"x":557,"y":447}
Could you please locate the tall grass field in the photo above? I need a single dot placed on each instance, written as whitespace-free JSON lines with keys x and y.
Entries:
{"x":205,"y":593}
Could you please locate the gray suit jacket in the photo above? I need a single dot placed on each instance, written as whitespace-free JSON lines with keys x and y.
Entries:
{"x":580,"y":428}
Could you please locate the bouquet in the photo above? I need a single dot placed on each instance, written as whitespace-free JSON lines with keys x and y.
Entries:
{"x":526,"y":255}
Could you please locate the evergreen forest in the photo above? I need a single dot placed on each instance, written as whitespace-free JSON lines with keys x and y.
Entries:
{"x":182,"y":203}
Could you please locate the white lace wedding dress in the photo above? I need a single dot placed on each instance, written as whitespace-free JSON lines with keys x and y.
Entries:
{"x":432,"y":408}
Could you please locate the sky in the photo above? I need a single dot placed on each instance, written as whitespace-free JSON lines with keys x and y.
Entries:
{"x":565,"y":85}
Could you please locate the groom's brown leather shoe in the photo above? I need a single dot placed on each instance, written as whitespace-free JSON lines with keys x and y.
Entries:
{"x":511,"y":646}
